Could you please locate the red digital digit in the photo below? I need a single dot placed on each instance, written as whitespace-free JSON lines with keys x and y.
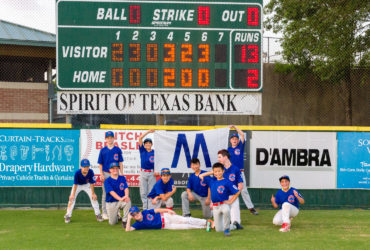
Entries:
{"x":152,"y":77}
{"x":203,"y":15}
{"x":135,"y":14}
{"x":169,"y":77}
{"x":253,"y":16}
{"x":252,"y":78}
{"x":203,"y":78}
{"x":117,"y":77}
{"x":117,"y":52}
{"x":134,"y":77}
{"x":134,"y":52}
{"x":186,"y":78}
{"x":186,"y":52}
{"x":203,"y":53}
{"x":152,"y":52}
{"x":169,"y":52}
{"x":252,"y":54}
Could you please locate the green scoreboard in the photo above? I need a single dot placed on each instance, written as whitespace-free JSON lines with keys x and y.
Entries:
{"x":159,"y":45}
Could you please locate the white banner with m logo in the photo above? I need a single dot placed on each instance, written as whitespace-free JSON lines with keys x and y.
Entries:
{"x":174,"y":150}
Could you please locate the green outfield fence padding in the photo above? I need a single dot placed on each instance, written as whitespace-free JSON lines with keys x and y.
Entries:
{"x":57,"y":197}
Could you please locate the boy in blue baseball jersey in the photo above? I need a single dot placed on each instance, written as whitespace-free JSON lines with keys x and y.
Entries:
{"x":237,"y":141}
{"x":233,"y":174}
{"x":83,"y":181}
{"x":117,"y":195}
{"x":110,"y":153}
{"x":223,"y":194}
{"x":162,"y":218}
{"x":147,"y":177}
{"x":288,"y":200}
{"x":197,"y":190}
{"x":162,"y":191}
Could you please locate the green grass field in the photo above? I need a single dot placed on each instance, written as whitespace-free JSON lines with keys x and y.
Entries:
{"x":312,"y":229}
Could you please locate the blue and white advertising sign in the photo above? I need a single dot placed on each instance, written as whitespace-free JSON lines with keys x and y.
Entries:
{"x":353,"y":160}
{"x":38,"y":158}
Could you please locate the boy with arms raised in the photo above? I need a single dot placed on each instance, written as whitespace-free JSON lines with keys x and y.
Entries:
{"x":110,"y":153}
{"x":117,"y":195}
{"x":197,"y":190}
{"x":83,"y":181}
{"x":223,"y":194}
{"x":288,"y":199}
{"x":237,"y":141}
{"x":147,"y":177}
{"x":162,"y":191}
{"x":161,"y":218}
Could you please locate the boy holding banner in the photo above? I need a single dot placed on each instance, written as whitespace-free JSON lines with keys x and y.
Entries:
{"x":147,"y":177}
{"x":237,"y":141}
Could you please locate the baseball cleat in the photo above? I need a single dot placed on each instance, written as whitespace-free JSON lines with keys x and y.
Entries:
{"x":187,"y":215}
{"x":105,"y":217}
{"x":99,"y":218}
{"x":253,"y":211}
{"x":67,"y":219}
{"x":227,"y":232}
{"x":124,"y":223}
{"x":285,"y":227}
{"x":237,"y":225}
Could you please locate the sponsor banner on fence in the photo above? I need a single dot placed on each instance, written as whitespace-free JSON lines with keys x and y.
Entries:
{"x":309,"y":158}
{"x":92,"y":140}
{"x":175,"y":149}
{"x":353,"y":160}
{"x":35,"y":157}
{"x":216,"y":103}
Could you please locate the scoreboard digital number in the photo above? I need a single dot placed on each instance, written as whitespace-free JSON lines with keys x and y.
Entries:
{"x":159,"y":45}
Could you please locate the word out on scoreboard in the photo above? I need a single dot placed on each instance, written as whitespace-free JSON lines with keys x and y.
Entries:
{"x":160,"y":46}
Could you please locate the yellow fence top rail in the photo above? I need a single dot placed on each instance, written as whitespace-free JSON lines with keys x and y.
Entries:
{"x":35,"y":125}
{"x":265,"y":128}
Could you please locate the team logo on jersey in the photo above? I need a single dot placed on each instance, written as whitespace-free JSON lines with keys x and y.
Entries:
{"x":232,"y":177}
{"x":115,"y":157}
{"x":237,"y":151}
{"x":202,"y":183}
{"x":291,"y":198}
{"x":220,"y":189}
{"x":121,"y":186}
{"x":150,"y":217}
{"x":151,"y":159}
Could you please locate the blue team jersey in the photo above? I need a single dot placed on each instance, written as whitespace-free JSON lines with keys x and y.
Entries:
{"x":198,"y":186}
{"x":147,"y":158}
{"x":118,"y":186}
{"x":221,"y":189}
{"x":237,"y":155}
{"x":288,"y":196}
{"x":107,"y":156}
{"x":233,"y":174}
{"x":161,"y":188}
{"x":81,"y":180}
{"x":151,"y":220}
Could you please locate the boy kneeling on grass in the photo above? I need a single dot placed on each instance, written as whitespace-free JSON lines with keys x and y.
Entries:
{"x":223,"y":194}
{"x":162,"y":191}
{"x":83,"y":181}
{"x":117,"y":195}
{"x":161,"y":218}
{"x":288,"y":199}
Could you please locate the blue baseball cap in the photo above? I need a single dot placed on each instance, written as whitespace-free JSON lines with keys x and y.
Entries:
{"x":234,"y":135}
{"x":165,"y":171}
{"x":284,"y":177}
{"x":113,"y":164}
{"x":148,"y":140}
{"x":134,"y":210}
{"x":109,"y":133}
{"x":85,"y":163}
